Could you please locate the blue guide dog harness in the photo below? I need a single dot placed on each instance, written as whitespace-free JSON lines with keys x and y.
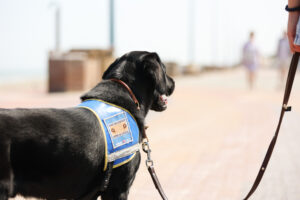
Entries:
{"x":120,"y":131}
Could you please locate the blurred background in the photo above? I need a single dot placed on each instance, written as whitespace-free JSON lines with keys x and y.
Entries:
{"x":229,"y":60}
{"x":182,"y":31}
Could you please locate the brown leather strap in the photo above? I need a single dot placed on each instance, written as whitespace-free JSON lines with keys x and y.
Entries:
{"x":144,"y":135}
{"x":156,"y":182}
{"x":149,"y":164}
{"x":288,"y":89}
{"x":129,"y":90}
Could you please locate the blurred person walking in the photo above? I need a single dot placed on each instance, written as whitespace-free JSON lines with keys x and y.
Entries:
{"x":283,"y":57}
{"x":250,"y":59}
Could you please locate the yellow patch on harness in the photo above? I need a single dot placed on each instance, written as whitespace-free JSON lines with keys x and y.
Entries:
{"x":119,"y":128}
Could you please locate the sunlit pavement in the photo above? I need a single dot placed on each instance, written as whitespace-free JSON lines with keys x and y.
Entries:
{"x":210,"y":142}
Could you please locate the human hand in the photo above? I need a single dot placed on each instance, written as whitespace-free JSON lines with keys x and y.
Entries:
{"x":291,"y":30}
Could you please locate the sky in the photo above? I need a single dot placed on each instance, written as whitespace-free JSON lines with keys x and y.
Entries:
{"x":219,"y":29}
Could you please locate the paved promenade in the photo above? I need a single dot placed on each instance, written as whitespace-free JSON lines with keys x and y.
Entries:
{"x":210,"y":142}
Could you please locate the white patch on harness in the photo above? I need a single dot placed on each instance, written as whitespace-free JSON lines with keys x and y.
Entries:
{"x":119,"y":130}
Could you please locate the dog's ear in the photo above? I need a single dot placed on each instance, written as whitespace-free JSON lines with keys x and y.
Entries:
{"x":153,"y":70}
{"x":113,"y":71}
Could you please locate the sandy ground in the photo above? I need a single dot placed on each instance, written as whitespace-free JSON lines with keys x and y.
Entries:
{"x":211,"y":140}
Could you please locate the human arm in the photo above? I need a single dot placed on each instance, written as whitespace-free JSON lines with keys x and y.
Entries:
{"x":292,"y":24}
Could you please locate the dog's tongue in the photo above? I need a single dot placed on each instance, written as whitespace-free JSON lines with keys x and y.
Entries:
{"x":164,"y":99}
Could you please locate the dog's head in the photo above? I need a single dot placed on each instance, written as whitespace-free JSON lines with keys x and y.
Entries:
{"x":144,"y":73}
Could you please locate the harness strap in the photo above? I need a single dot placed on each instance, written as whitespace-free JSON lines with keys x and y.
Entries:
{"x":288,"y":89}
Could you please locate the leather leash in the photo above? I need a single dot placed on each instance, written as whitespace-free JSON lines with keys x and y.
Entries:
{"x":288,"y":89}
{"x":150,"y":167}
{"x":145,"y":146}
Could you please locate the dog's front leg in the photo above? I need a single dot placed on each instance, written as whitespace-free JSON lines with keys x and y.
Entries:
{"x":115,"y":195}
{"x":6,"y":176}
{"x":91,"y":196}
{"x":121,"y":181}
{"x":118,"y":193}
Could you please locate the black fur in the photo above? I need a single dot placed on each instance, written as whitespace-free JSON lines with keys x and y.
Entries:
{"x":59,"y":153}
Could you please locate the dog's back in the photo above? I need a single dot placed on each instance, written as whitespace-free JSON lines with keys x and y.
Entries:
{"x":49,"y":147}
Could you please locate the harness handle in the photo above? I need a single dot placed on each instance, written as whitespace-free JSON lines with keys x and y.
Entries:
{"x":288,"y":89}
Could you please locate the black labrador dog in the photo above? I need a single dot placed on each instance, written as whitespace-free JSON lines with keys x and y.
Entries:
{"x":59,"y":153}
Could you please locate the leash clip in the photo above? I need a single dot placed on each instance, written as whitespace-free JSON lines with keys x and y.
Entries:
{"x":138,"y":105}
{"x":149,"y":164}
{"x":287,"y":108}
{"x":146,"y":149}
